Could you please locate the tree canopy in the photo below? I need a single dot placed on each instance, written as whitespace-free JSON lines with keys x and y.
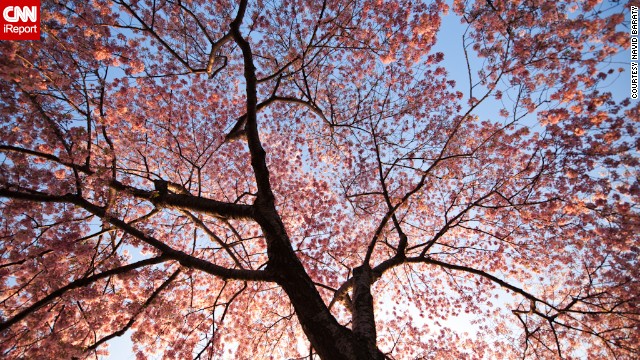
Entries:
{"x":305,"y":179}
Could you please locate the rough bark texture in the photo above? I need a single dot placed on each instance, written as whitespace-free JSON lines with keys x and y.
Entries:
{"x":364,"y":322}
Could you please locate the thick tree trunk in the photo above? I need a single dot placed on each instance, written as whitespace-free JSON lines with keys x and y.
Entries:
{"x":364,"y":323}
{"x":329,"y":339}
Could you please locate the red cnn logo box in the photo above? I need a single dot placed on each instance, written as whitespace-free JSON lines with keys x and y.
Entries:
{"x":19,"y":19}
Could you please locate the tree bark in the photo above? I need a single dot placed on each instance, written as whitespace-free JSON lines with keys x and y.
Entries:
{"x":364,"y":323}
{"x":329,"y":339}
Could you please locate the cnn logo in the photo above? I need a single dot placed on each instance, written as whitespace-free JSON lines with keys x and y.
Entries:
{"x":20,"y":20}
{"x":16,"y":13}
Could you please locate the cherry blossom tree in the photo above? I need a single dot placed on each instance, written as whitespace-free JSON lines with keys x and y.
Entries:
{"x":304,"y":179}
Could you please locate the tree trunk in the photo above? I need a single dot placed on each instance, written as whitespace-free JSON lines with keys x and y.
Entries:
{"x":364,"y":323}
{"x":329,"y":339}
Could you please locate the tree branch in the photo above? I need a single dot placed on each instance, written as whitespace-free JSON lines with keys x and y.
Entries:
{"x":258,"y":155}
{"x":183,"y":258}
{"x":135,"y":315}
{"x":77,"y":284}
